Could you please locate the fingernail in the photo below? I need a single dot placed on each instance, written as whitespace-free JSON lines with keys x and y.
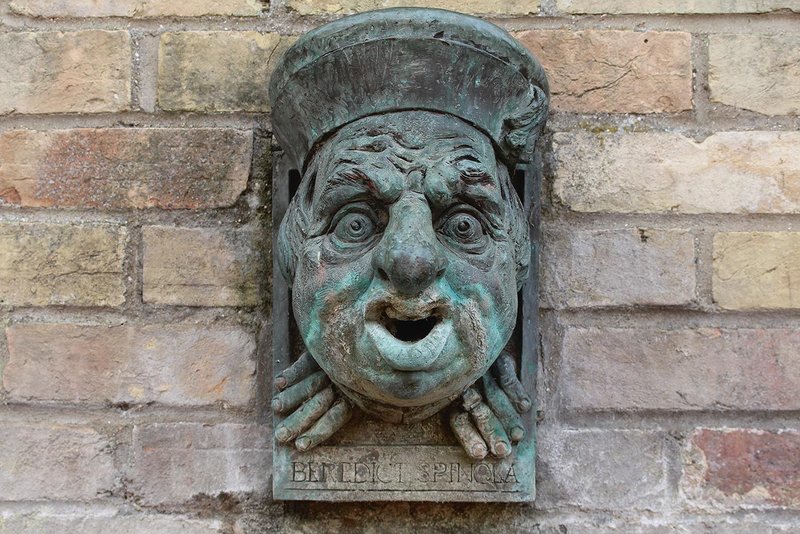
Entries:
{"x":280,"y":382}
{"x":302,"y":444}
{"x":276,"y":405}
{"x":502,"y":449}
{"x":525,"y":404}
{"x":517,"y":433}
{"x":478,"y":451}
{"x":283,"y":435}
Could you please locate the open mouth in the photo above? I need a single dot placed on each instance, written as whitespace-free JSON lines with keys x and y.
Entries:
{"x":410,"y":330}
{"x":409,"y":341}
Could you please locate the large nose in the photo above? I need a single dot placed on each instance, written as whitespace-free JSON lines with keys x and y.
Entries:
{"x":409,"y":255}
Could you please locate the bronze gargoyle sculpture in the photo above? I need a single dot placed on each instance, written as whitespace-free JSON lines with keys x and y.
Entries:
{"x":405,"y":243}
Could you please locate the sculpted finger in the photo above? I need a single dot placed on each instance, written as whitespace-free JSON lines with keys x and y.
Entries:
{"x":324,"y":428}
{"x":468,"y":436}
{"x":492,"y":430}
{"x":507,"y":376}
{"x":471,"y":399}
{"x":304,"y":366}
{"x":299,"y":393}
{"x":304,"y":417}
{"x":502,"y":408}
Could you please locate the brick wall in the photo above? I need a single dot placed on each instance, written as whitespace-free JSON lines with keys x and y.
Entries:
{"x":134,"y":294}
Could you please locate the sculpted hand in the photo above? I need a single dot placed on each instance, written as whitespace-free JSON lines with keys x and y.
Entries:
{"x":316,"y":410}
{"x":491,"y":423}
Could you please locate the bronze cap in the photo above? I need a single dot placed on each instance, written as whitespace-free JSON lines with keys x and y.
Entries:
{"x":407,"y":59}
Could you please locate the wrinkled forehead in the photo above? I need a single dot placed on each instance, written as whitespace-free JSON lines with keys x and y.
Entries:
{"x":409,"y":138}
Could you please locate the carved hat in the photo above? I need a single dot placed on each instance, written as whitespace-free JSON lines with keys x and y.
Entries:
{"x":408,"y":59}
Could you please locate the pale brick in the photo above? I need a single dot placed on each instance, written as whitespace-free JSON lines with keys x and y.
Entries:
{"x":120,"y":168}
{"x":54,"y":462}
{"x":169,"y":364}
{"x":61,"y":264}
{"x":475,"y":518}
{"x":65,"y":72}
{"x":44,"y":521}
{"x":269,"y":520}
{"x":644,"y":526}
{"x":738,"y":525}
{"x":136,"y":8}
{"x":607,"y":525}
{"x":341,"y":7}
{"x":692,"y":369}
{"x":600,"y":469}
{"x":757,"y":270}
{"x":615,"y":71}
{"x":742,"y":468}
{"x":202,"y":266}
{"x":658,"y":172}
{"x":763,"y":75}
{"x":217,"y":71}
{"x":393,"y":518}
{"x":618,"y":268}
{"x":176,"y":462}
{"x":675,"y":6}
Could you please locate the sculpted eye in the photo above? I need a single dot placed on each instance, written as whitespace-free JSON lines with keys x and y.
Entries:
{"x":465,"y":230}
{"x":463,"y":227}
{"x":354,"y":227}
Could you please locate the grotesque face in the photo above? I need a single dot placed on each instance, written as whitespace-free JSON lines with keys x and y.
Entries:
{"x":405,"y":243}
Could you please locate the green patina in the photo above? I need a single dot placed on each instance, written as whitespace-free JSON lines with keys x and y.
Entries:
{"x":406,"y":244}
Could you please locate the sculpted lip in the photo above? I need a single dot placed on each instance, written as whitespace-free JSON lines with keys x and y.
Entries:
{"x":409,"y":339}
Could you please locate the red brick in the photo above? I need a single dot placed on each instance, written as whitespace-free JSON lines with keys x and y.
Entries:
{"x":743,"y":468}
{"x":642,"y":266}
{"x":700,"y":369}
{"x":52,"y":461}
{"x":175,"y":462}
{"x":119,"y":168}
{"x":202,"y":266}
{"x":615,"y":71}
{"x":170,"y":364}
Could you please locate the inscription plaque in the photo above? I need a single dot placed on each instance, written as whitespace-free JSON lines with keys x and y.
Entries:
{"x":404,"y":305}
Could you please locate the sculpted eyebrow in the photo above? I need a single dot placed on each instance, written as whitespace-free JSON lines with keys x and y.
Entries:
{"x":344,"y":186}
{"x":352,"y":178}
{"x":473,"y":176}
{"x":477,"y":178}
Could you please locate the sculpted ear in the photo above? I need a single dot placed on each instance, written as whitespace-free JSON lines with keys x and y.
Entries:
{"x":294,"y":227}
{"x":522,"y":242}
{"x":518,"y":230}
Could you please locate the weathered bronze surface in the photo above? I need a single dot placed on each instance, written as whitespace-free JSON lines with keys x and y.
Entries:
{"x":405,"y":246}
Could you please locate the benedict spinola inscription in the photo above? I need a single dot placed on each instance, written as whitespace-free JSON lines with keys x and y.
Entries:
{"x":378,"y":475}
{"x":413,"y":471}
{"x":405,"y":248}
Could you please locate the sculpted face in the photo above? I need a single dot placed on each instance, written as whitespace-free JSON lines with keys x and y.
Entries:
{"x":405,"y":282}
